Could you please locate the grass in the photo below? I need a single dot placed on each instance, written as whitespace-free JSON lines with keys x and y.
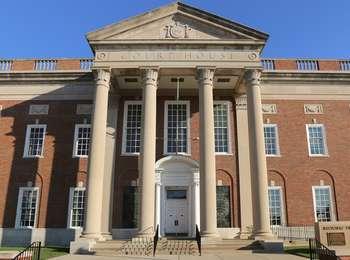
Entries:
{"x":302,"y":251}
{"x":46,"y":252}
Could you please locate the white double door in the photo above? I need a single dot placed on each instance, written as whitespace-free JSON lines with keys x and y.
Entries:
{"x":176,"y":212}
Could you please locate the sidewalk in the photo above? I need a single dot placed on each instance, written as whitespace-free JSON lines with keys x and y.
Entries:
{"x":237,"y":256}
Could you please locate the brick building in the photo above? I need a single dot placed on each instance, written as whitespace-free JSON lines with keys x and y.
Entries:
{"x":175,"y":122}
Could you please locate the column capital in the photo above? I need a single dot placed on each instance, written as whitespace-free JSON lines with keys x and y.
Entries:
{"x":241,"y":102}
{"x":206,"y":74}
{"x":252,"y":76}
{"x":149,"y":75}
{"x":102,"y":76}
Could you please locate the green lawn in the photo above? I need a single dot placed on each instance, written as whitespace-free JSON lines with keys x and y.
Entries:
{"x":297,"y":250}
{"x":46,"y":252}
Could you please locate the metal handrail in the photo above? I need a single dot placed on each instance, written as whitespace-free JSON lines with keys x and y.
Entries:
{"x":320,"y":251}
{"x":31,"y":252}
{"x":155,"y":240}
{"x":199,"y":240}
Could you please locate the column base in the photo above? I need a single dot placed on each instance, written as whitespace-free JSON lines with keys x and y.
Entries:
{"x":93,"y":236}
{"x":264,"y":236}
{"x":107,"y":236}
{"x":210,"y":237}
{"x":82,"y":246}
{"x":245,"y":235}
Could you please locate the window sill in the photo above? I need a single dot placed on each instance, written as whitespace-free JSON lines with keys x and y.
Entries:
{"x":24,"y":227}
{"x":80,"y":157}
{"x":273,"y":155}
{"x":319,"y":155}
{"x":33,"y":157}
{"x":130,"y":154}
{"x":224,"y":154}
{"x":182,"y":154}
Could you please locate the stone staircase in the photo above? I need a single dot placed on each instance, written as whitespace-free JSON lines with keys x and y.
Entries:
{"x":169,"y":246}
{"x":177,"y":247}
{"x":230,"y":246}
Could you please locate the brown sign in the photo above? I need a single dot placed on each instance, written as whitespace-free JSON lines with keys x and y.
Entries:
{"x":336,"y":239}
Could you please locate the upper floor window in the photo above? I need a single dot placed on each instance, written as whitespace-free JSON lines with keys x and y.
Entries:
{"x":27,"y":204}
{"x":76,"y":207}
{"x":322,"y":203}
{"x":316,"y":139}
{"x":275,"y":205}
{"x":271,"y":140}
{"x":177,"y":127}
{"x":221,"y":127}
{"x":81,"y":140}
{"x":34,"y":143}
{"x":132,"y":127}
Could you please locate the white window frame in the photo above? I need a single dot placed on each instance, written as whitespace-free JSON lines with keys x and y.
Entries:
{"x":278,"y":151}
{"x":283,"y":219}
{"x":330,"y":197}
{"x":229,"y":141}
{"x":324,"y":140}
{"x":125,"y":119}
{"x":19,"y":206}
{"x":26,"y":145}
{"x":188,"y":109}
{"x":70,"y":206}
{"x":75,"y":141}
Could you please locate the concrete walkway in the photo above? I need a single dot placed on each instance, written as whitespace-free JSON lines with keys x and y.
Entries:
{"x":238,"y":256}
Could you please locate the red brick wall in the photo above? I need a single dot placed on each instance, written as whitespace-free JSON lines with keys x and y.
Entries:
{"x":295,"y":171}
{"x":299,"y":172}
{"x":55,"y":173}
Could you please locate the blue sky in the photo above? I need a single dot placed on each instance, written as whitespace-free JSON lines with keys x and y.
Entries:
{"x":57,"y":28}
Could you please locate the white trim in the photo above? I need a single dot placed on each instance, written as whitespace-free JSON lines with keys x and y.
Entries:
{"x":125,"y":119}
{"x":70,"y":205}
{"x":324,"y":140}
{"x":330,"y":197}
{"x":283,"y":216}
{"x":75,"y":140}
{"x":26,"y":145}
{"x":278,"y":151}
{"x":19,"y":206}
{"x":229,"y":144}
{"x":188,"y":109}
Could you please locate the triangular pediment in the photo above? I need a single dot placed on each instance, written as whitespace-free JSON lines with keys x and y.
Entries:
{"x":176,"y":21}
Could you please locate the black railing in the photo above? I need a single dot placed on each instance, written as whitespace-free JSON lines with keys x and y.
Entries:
{"x":155,"y":240}
{"x":199,"y":240}
{"x":320,"y":251}
{"x":32,"y":252}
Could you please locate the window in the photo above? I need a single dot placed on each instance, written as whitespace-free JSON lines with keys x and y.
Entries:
{"x":132,"y":127}
{"x":223,"y":206}
{"x":34,"y":143}
{"x":81,"y":140}
{"x":76,"y":207}
{"x":221,"y":127}
{"x":27,"y":207}
{"x":322,"y":203}
{"x":176,"y":127}
{"x":271,"y":140}
{"x":275,"y":205}
{"x":316,"y":140}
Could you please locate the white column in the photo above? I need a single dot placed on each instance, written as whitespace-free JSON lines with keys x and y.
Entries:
{"x":109,"y":166}
{"x":95,"y":189}
{"x":245,"y":189}
{"x":207,"y":153}
{"x":259,"y":181}
{"x":148,"y":151}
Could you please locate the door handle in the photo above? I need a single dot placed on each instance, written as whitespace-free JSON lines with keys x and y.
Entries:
{"x":176,"y":222}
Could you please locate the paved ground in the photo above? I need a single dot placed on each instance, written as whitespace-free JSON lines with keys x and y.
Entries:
{"x":238,"y":256}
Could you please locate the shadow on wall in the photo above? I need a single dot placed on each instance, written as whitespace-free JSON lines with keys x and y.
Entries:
{"x":53,"y":174}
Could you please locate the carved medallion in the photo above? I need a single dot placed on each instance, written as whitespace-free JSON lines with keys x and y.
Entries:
{"x":313,"y":109}
{"x":177,"y":31}
{"x":269,"y":108}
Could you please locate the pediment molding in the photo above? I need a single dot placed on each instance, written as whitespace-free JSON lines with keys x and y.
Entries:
{"x":176,"y":21}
